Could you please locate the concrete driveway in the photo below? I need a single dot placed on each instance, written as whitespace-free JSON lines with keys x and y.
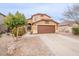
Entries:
{"x":61,"y":45}
{"x":41,"y":44}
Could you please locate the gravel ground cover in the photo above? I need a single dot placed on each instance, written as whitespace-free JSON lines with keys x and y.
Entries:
{"x":27,"y":46}
{"x":69,"y":35}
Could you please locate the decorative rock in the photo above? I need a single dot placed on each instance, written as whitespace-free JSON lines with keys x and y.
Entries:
{"x":11,"y":49}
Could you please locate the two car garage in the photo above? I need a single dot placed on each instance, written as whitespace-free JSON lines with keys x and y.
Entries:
{"x":46,"y":28}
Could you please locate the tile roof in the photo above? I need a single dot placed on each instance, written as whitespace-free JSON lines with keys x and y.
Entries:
{"x":41,"y":14}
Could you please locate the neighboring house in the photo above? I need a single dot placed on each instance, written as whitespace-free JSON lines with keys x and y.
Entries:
{"x":2,"y":28}
{"x":66,"y":26}
{"x":42,"y":23}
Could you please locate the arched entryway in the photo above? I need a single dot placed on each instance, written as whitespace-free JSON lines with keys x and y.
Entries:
{"x":29,"y":29}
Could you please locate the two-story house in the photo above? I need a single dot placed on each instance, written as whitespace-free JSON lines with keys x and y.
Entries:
{"x":42,"y":23}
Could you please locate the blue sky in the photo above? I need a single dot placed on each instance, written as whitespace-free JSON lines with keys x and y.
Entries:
{"x":28,"y":9}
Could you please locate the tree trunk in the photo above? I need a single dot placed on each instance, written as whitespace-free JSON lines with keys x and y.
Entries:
{"x":17,"y":33}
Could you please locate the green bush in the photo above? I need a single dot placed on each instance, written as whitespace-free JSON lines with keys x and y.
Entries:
{"x":75,"y":31}
{"x":21,"y":31}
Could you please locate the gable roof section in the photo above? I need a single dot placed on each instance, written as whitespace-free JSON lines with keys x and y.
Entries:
{"x":42,"y":19}
{"x":46,"y":20}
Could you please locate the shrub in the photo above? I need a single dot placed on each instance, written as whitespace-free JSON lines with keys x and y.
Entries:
{"x":0,"y":35}
{"x":21,"y":31}
{"x":75,"y":31}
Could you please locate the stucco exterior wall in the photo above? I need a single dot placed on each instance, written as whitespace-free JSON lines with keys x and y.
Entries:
{"x":1,"y":19}
{"x":29,"y":21}
{"x":65,"y":29}
{"x":38,"y":17}
{"x":2,"y":27}
{"x":35,"y":26}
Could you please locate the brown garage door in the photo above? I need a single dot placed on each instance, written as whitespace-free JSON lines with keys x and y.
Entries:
{"x":46,"y":28}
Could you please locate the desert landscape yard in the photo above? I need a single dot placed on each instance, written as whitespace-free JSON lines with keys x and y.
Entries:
{"x":39,"y":45}
{"x":27,"y":46}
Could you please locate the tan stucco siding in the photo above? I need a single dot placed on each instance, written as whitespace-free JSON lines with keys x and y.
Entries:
{"x":34,"y":29}
{"x":35,"y":26}
{"x":38,"y":17}
{"x":65,"y":29}
{"x":29,"y":21}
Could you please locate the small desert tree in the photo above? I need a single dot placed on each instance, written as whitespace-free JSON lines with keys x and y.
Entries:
{"x":8,"y":21}
{"x":14,"y":21}
{"x":72,"y":13}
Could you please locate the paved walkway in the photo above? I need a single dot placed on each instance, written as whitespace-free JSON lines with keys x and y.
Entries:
{"x":61,"y":45}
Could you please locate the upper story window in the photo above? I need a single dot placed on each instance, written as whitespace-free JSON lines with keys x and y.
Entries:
{"x":36,"y":18}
